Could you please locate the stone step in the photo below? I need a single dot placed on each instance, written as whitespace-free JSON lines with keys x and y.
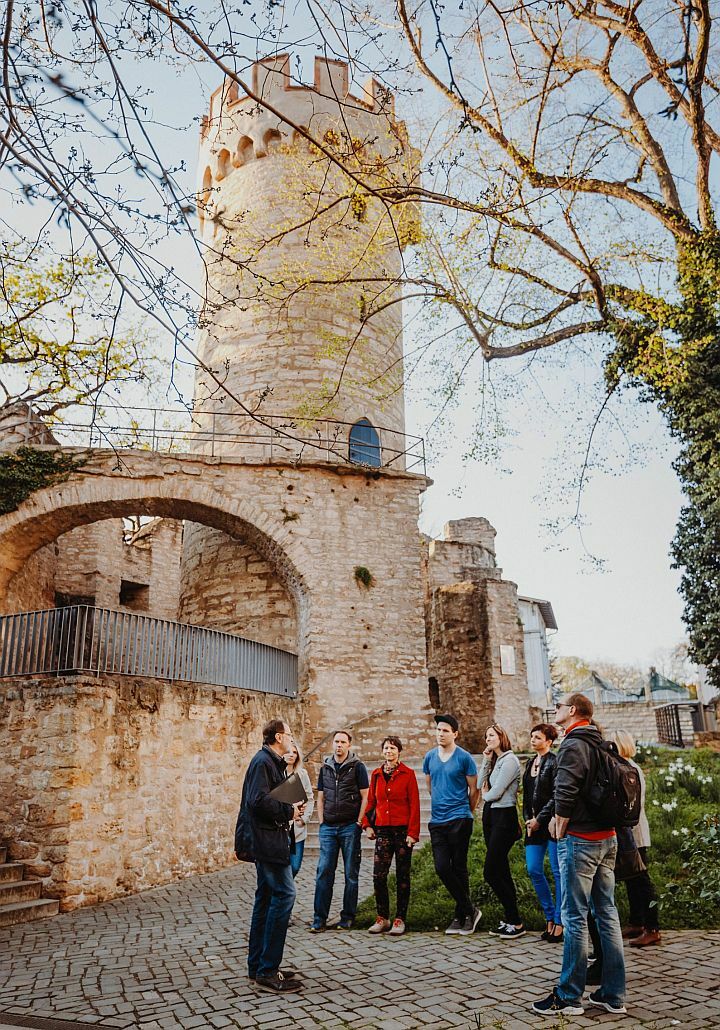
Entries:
{"x":27,"y":911}
{"x":24,"y":890}
{"x":11,"y":872}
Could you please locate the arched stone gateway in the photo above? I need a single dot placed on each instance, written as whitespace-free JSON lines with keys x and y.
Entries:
{"x":129,"y":769}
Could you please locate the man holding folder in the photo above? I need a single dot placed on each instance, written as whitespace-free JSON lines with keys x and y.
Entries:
{"x":264,"y":833}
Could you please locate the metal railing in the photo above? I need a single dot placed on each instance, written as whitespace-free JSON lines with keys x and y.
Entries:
{"x":669,"y":728}
{"x":216,"y":432}
{"x":81,"y":638}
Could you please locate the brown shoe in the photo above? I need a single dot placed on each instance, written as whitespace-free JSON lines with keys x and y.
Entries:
{"x":632,"y":931}
{"x":646,"y":938}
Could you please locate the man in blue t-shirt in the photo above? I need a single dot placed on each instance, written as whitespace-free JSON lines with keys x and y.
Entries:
{"x":452,"y":781}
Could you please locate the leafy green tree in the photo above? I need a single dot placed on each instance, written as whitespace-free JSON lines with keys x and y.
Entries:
{"x":60,"y":336}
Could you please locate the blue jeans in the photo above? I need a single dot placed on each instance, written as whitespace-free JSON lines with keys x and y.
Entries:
{"x":588,"y":883}
{"x":535,"y":862}
{"x":274,"y":900}
{"x":333,"y":840}
{"x":296,"y":857}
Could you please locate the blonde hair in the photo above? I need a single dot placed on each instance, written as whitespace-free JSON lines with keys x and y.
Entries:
{"x":625,"y":742}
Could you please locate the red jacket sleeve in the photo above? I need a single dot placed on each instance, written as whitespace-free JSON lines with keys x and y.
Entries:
{"x":372,"y":796}
{"x":414,"y":800}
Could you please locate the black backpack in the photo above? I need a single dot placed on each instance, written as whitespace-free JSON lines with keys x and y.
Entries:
{"x":614,"y":788}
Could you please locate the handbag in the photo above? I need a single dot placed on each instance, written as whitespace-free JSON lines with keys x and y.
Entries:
{"x":628,"y":861}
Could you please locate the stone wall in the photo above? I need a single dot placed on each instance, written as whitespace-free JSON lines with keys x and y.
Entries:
{"x":111,"y":785}
{"x":94,"y":561}
{"x":638,"y":718}
{"x":471,"y":613}
{"x":227,"y":585}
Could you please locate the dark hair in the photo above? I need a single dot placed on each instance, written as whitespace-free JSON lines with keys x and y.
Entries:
{"x":346,"y":733}
{"x":505,"y":743}
{"x":392,"y":740}
{"x":582,"y":705}
{"x":548,"y":731}
{"x":271,"y":730}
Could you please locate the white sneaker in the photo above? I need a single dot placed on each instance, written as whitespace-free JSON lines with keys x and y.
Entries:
{"x":397,"y":929}
{"x":380,"y":925}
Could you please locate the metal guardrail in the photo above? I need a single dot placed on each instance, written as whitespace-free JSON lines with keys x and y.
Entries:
{"x":669,"y":728}
{"x":216,"y":432}
{"x":81,"y":638}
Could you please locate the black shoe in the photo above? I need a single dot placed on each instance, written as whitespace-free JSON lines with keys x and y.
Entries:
{"x":470,"y":922}
{"x":342,"y":924}
{"x":509,"y":932}
{"x":318,"y":929}
{"x":594,"y":975}
{"x":278,"y":983}
{"x":552,"y":1004}
{"x":287,"y":973}
{"x":456,"y":926}
{"x":497,"y":932}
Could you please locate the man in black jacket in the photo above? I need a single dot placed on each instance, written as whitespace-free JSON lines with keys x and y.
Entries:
{"x":587,"y":847}
{"x":269,"y":839}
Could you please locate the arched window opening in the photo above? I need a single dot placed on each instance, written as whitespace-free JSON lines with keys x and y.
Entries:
{"x":364,"y":444}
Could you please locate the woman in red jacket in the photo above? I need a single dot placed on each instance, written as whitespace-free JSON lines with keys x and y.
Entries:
{"x":393,"y":809}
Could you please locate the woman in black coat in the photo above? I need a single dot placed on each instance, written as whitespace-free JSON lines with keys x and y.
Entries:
{"x":538,"y":810}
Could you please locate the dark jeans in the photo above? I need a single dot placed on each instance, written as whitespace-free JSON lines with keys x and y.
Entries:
{"x":333,"y":840}
{"x":450,"y":843}
{"x":501,"y":830}
{"x":641,"y":895}
{"x":296,"y":857}
{"x":274,"y":900}
{"x":390,"y":842}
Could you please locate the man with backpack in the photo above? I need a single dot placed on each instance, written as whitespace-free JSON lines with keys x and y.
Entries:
{"x":263,"y":835}
{"x":591,"y":799}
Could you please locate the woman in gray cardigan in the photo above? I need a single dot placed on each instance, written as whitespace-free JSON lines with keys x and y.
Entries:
{"x":500,"y":779}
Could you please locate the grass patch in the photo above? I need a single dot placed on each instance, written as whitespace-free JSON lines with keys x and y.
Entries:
{"x":683,"y":809}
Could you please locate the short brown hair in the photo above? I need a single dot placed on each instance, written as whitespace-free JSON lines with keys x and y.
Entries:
{"x":392,"y":740}
{"x":271,"y":730}
{"x":547,"y":729}
{"x":345,"y":733}
{"x":582,"y":705}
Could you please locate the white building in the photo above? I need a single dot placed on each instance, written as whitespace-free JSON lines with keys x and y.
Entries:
{"x":537,"y":618}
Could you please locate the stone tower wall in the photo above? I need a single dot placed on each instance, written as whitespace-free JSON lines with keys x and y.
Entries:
{"x":281,"y":349}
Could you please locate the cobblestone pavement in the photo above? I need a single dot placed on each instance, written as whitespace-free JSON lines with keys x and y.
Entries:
{"x":175,"y":957}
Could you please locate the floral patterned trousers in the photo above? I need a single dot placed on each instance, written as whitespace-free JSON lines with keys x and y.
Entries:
{"x":390,"y":841}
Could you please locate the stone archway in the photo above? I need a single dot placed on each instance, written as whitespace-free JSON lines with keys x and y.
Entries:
{"x":170,"y":487}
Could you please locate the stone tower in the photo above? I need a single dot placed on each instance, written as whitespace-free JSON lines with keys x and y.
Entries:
{"x":302,"y":325}
{"x":302,"y":314}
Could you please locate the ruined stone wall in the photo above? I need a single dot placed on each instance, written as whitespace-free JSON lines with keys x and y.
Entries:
{"x":33,"y":588}
{"x":471,"y":612}
{"x":638,"y":719}
{"x":227,"y":585}
{"x":111,"y":785}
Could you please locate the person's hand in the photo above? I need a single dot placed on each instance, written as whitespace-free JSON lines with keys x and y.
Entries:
{"x":532,"y":826}
{"x":551,"y":827}
{"x":561,"y":825}
{"x":487,"y":752}
{"x":410,"y":841}
{"x":485,"y":789}
{"x":370,"y":832}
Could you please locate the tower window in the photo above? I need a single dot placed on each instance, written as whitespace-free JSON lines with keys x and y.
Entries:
{"x":364,"y":444}
{"x":135,"y":596}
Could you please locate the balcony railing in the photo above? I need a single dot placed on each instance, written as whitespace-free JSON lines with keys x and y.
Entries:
{"x":216,"y":432}
{"x":81,"y":638}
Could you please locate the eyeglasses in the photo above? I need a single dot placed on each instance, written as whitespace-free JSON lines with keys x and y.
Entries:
{"x":562,"y":704}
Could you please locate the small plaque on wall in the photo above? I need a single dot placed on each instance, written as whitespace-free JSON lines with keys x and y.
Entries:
{"x":507,"y":660}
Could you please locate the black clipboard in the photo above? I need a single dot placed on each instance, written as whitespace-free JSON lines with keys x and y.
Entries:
{"x":291,"y":791}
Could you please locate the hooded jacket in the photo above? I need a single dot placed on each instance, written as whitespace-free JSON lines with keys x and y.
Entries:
{"x":396,"y":801}
{"x":341,"y":794}
{"x":576,"y":764}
